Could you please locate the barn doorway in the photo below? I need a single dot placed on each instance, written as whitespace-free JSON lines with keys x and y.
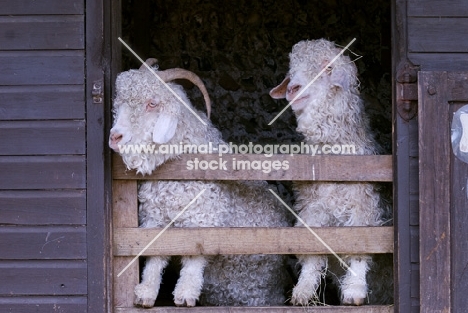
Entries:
{"x":240,"y":50}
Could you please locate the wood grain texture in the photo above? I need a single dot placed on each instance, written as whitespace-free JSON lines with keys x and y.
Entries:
{"x":434,"y":191}
{"x":440,"y":61}
{"x":436,"y":8}
{"x":48,"y":242}
{"x":42,"y":32}
{"x":19,"y":68}
{"x":459,"y":218}
{"x":301,"y":167}
{"x":29,"y":7}
{"x":271,"y":309}
{"x":287,"y":240}
{"x":125,"y":214}
{"x":437,"y":35}
{"x":43,"y":207}
{"x":42,"y":172}
{"x":44,"y":304}
{"x":42,"y":102}
{"x":42,"y":137}
{"x":43,"y":277}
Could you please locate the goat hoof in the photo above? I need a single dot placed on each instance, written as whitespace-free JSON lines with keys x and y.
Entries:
{"x":190,"y":302}
{"x":354,"y":301}
{"x":145,"y":296}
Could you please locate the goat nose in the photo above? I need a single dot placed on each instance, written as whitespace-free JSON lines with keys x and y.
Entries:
{"x":293,"y":89}
{"x":115,"y":138}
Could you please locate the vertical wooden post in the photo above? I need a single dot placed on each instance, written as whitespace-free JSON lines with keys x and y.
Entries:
{"x":125,"y":214}
{"x":434,"y":191}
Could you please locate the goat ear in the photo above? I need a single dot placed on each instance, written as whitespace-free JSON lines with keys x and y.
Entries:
{"x":164,"y":128}
{"x":279,"y":92}
{"x":339,"y":78}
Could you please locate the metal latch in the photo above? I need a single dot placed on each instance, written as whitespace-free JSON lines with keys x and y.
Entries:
{"x":407,"y":91}
{"x":97,"y":92}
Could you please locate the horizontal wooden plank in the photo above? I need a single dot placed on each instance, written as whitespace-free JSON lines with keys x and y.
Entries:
{"x":42,"y":32}
{"x":42,"y":67}
{"x":22,"y":304}
{"x":256,"y":240}
{"x":440,"y":61}
{"x":8,"y":7}
{"x":42,"y":102}
{"x":43,"y":207}
{"x":42,"y":137}
{"x":43,"y":172}
{"x":300,"y":167}
{"x":43,"y":277}
{"x":38,"y":242}
{"x":437,"y":9}
{"x":270,"y":309}
{"x":437,"y":35}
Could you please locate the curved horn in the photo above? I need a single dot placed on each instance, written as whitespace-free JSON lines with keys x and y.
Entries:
{"x":150,"y":62}
{"x":179,"y":73}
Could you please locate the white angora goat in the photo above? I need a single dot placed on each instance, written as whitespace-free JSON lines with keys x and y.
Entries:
{"x":330,"y":112}
{"x":146,"y":112}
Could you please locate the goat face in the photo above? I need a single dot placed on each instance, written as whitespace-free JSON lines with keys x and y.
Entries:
{"x":147,"y":111}
{"x":308,"y":59}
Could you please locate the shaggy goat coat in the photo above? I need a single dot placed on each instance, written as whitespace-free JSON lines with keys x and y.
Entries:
{"x":330,"y":112}
{"x":147,"y":113}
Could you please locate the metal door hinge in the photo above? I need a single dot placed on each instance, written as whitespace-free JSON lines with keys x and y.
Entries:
{"x":407,"y":91}
{"x":97,"y":92}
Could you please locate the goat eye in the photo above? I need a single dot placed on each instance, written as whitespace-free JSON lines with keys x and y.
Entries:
{"x":152,"y":104}
{"x":329,"y":68}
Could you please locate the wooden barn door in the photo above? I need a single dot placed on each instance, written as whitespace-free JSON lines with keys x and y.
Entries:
{"x":443,"y":195}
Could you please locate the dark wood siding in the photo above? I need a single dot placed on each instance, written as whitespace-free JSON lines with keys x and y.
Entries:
{"x":437,"y":37}
{"x":43,"y":237}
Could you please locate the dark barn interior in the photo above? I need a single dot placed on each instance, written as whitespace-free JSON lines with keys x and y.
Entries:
{"x":240,"y":50}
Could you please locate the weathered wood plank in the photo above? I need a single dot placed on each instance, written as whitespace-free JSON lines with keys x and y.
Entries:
{"x":270,"y":309}
{"x":437,"y":35}
{"x":440,"y":61}
{"x":42,"y":32}
{"x":436,"y":8}
{"x":300,"y":168}
{"x":41,"y":207}
{"x":42,"y":137}
{"x":457,"y":86}
{"x":43,"y":277}
{"x":62,"y":67}
{"x":8,"y":7}
{"x":434,"y":191}
{"x":50,"y":242}
{"x":282,"y":240}
{"x":459,"y":220}
{"x":43,"y":172}
{"x":124,"y":195}
{"x":75,"y":304}
{"x":42,"y":102}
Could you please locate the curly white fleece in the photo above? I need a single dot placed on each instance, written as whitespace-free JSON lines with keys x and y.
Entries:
{"x":227,"y":279}
{"x":333,"y":114}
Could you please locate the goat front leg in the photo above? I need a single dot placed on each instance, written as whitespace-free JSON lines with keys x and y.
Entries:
{"x":353,"y":283}
{"x":313,"y":268}
{"x":147,"y":291}
{"x":190,"y":283}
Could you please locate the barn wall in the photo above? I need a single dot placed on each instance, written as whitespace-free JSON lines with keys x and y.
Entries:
{"x":435,"y":41}
{"x":437,"y":34}
{"x":43,"y":252}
